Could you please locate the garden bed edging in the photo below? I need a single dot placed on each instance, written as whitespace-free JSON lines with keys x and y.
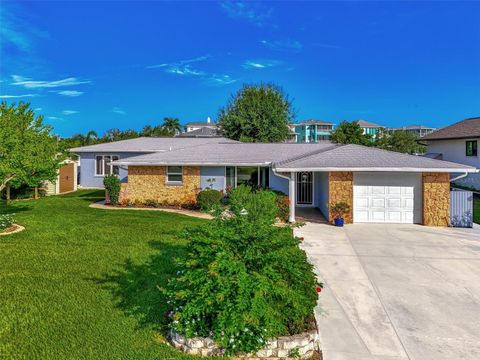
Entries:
{"x":284,"y":347}
{"x":15,"y":228}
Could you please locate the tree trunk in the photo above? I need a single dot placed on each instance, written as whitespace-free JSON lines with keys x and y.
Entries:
{"x":8,"y":195}
{"x":36,"y":192}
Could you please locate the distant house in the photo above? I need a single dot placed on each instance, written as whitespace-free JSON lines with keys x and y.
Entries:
{"x":201,"y":132}
{"x":311,"y":131}
{"x":196,"y":125}
{"x":457,"y":143}
{"x":418,"y":130}
{"x":369,"y":128}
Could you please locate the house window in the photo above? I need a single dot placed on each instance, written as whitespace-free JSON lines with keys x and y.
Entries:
{"x":103,"y":165}
{"x":471,"y":148}
{"x":174,"y":174}
{"x":247,"y":175}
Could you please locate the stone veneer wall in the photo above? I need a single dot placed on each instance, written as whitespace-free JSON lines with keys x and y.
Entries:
{"x":149,"y":183}
{"x":281,"y":348}
{"x":436,"y":199}
{"x":341,"y":190}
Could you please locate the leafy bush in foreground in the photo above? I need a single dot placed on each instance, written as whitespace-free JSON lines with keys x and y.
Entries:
{"x":6,"y":221}
{"x":243,"y":280}
{"x":209,"y":198}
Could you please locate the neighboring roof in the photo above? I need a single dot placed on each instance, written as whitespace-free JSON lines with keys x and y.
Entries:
{"x":465,"y":129}
{"x":229,"y":154}
{"x":415,"y":127}
{"x":313,"y":122}
{"x":286,"y":157}
{"x":368,"y":124}
{"x":437,"y":156}
{"x":202,"y":132}
{"x":200,"y":123}
{"x":362,"y":158}
{"x":148,"y":144}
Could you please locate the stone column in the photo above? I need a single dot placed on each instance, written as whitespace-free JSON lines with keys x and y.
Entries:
{"x":340,"y":185}
{"x":436,"y":199}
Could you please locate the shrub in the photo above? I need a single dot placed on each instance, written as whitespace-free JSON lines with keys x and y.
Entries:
{"x":243,"y":280}
{"x":112,"y":184}
{"x":151,"y":203}
{"x":6,"y":221}
{"x":207,"y":199}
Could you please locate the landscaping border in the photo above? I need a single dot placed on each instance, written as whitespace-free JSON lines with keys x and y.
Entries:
{"x":16,"y":228}
{"x":301,"y":346}
{"x":192,"y":213}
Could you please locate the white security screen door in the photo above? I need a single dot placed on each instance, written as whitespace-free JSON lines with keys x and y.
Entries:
{"x":305,"y":188}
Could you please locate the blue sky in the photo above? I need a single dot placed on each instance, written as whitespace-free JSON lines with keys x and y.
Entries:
{"x":98,"y":65}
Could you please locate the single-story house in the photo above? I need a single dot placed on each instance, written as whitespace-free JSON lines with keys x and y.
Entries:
{"x":379,"y":185}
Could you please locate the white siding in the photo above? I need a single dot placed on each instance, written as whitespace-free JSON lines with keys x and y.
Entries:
{"x":454,"y":150}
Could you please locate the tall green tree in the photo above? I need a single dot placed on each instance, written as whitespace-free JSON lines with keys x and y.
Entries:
{"x":29,"y":153}
{"x":350,"y":133}
{"x":402,"y":141}
{"x":257,"y":113}
{"x":172,"y":125}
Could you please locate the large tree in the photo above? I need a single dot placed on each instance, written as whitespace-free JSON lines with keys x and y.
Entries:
{"x":29,"y":153}
{"x":257,"y":113}
{"x":402,"y":141}
{"x":350,"y":133}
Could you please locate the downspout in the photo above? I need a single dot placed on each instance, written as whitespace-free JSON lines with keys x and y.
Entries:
{"x":459,"y":177}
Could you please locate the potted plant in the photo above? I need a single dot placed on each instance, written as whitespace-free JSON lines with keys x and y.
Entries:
{"x":338,"y":211}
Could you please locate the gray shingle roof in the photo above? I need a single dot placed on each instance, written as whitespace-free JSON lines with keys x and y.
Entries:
{"x":229,"y":154}
{"x":200,"y":123}
{"x":363,"y":158}
{"x":468,"y":128}
{"x":148,"y":144}
{"x":285,"y":157}
{"x":367,"y":124}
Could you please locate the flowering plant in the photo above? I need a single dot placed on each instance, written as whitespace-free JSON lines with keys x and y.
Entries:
{"x":244,"y":280}
{"x":6,"y":221}
{"x":339,"y":210}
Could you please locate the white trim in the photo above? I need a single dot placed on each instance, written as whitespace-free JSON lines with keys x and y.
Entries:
{"x":291,"y":196}
{"x":154,"y":163}
{"x":381,"y":169}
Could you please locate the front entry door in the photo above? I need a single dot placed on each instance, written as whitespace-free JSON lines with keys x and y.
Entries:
{"x":305,"y":188}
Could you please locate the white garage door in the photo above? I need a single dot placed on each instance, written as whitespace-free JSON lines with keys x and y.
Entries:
{"x":387,"y":198}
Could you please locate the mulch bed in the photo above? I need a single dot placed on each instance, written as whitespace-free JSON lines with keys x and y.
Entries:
{"x":12,"y":229}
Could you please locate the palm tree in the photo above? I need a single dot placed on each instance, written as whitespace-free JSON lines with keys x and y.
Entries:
{"x":172,"y":125}
{"x":90,"y":137}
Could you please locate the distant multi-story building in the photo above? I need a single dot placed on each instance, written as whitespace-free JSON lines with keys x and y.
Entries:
{"x":311,"y":131}
{"x":369,"y":128}
{"x":418,"y":130}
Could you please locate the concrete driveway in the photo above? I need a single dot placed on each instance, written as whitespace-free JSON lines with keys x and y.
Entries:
{"x":397,"y":291}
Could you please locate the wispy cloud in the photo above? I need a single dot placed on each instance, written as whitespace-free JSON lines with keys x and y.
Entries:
{"x":285,"y":45}
{"x":260,"y":64}
{"x":54,"y":118}
{"x":70,"y":93}
{"x":38,"y":109}
{"x":28,"y":83}
{"x":256,"y":13}
{"x":119,"y":111}
{"x":180,"y":62}
{"x":186,"y":69}
{"x":16,"y":30}
{"x":17,"y":96}
{"x":69,"y":112}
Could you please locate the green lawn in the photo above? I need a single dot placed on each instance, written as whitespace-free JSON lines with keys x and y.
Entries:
{"x":82,"y":283}
{"x":476,"y":210}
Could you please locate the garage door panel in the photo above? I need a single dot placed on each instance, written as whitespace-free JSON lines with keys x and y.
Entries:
{"x":387,"y":197}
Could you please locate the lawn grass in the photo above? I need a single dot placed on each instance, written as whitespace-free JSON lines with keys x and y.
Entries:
{"x":476,"y":209}
{"x":82,"y":283}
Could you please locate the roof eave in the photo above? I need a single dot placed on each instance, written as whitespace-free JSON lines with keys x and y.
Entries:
{"x":451,"y":138}
{"x":378,"y":169}
{"x":173,"y":163}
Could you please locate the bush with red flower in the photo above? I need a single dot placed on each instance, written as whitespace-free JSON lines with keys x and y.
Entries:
{"x":244,"y":280}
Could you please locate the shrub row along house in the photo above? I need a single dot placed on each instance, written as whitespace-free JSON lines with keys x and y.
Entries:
{"x":378,"y":185}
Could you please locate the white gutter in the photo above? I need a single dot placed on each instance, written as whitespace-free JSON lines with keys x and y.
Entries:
{"x":383,"y":169}
{"x":459,"y":177}
{"x":151,"y":163}
{"x":280,"y":175}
